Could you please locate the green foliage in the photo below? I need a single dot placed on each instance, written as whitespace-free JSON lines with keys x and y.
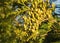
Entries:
{"x":35,"y":22}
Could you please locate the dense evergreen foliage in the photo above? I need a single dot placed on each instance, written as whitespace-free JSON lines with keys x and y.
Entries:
{"x":26,"y":21}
